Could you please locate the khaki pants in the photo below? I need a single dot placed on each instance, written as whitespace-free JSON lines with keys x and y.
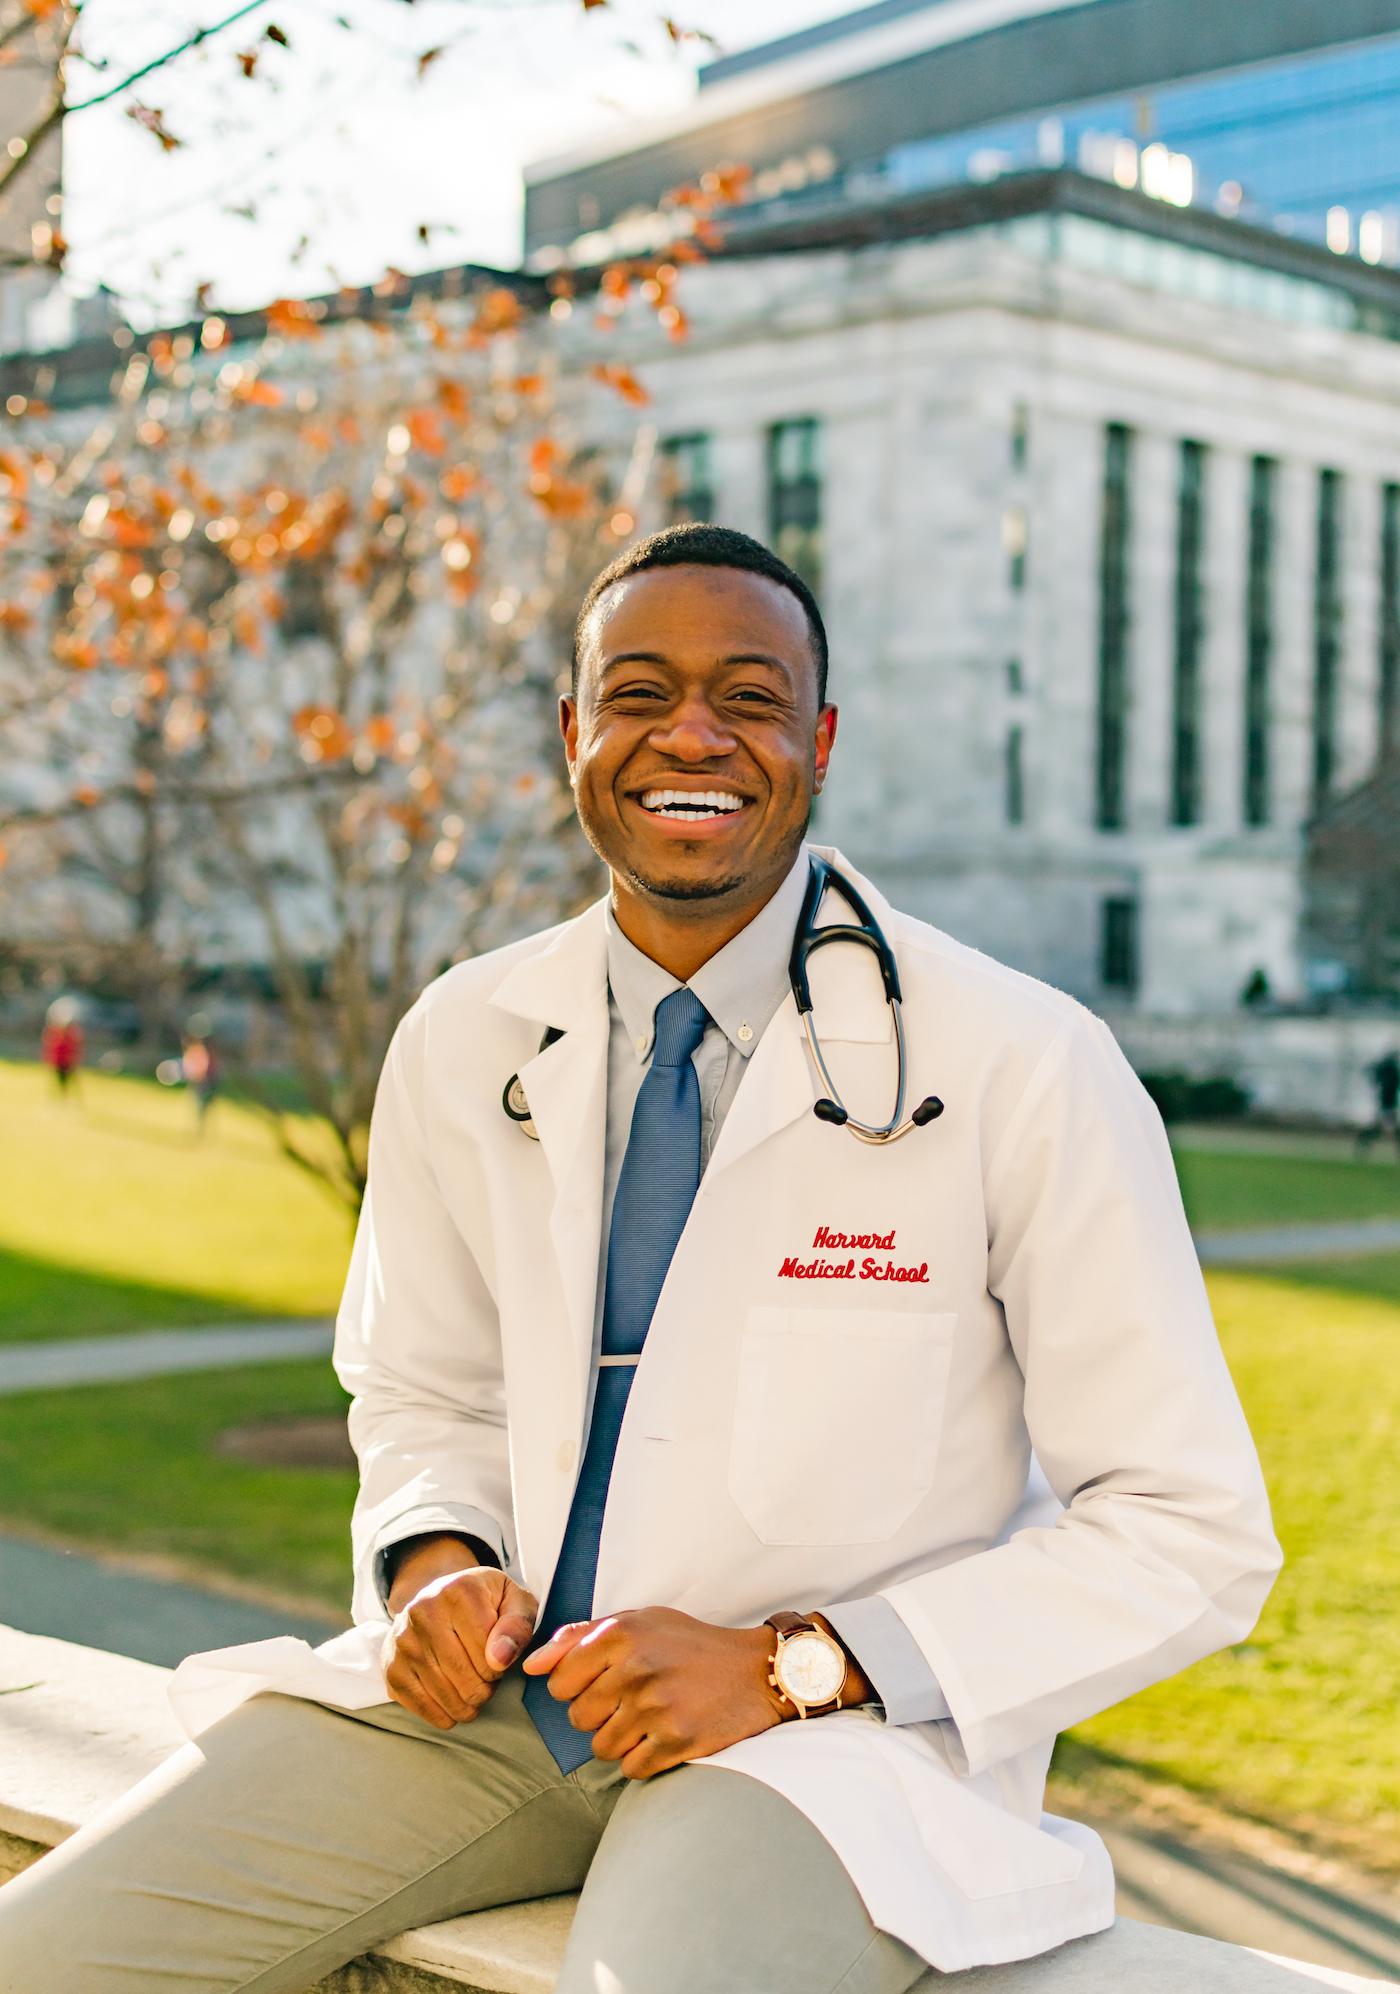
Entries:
{"x":293,"y":1837}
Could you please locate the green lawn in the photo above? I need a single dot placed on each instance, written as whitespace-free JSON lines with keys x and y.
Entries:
{"x":1226,"y":1189}
{"x":1297,"y":1724}
{"x":115,"y":1215}
{"x":133,"y":1467}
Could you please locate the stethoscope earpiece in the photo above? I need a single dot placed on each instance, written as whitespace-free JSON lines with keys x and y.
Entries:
{"x":928,"y":1110}
{"x":827,"y":1111}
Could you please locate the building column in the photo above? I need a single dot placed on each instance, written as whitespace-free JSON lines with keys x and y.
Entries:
{"x":1358,"y":688}
{"x":1225,"y":577}
{"x":1151,"y":632}
{"x":1295,"y":570}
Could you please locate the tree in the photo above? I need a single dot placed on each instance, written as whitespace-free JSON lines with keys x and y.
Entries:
{"x":282,"y":626}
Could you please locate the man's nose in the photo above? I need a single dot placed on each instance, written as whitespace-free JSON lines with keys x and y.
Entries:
{"x":693,"y":732}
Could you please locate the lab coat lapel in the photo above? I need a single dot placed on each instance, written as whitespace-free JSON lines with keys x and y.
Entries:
{"x":566,"y":1087}
{"x":781,"y":1083}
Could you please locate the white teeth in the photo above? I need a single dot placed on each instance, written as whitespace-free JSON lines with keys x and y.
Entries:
{"x":691,"y":802}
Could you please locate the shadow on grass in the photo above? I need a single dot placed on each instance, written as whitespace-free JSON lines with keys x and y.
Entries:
{"x":43,"y":1300}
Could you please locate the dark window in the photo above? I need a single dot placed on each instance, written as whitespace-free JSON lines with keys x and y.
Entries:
{"x":1118,"y":955}
{"x":1015,"y":776}
{"x":1014,"y":677}
{"x":1020,"y":436}
{"x":1327,"y":633}
{"x":687,"y":479}
{"x":1259,"y":641}
{"x":304,"y":589}
{"x":1114,"y":610}
{"x":1190,"y":619}
{"x":1389,"y":716}
{"x":795,"y":497}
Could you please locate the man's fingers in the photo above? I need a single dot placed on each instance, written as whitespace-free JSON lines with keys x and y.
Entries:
{"x":507,"y":1638}
{"x":558,"y":1645}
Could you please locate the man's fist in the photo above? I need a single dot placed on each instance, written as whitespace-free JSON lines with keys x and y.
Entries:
{"x":453,"y":1639}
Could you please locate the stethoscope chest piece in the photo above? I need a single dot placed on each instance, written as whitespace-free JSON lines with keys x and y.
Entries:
{"x":518,"y":1108}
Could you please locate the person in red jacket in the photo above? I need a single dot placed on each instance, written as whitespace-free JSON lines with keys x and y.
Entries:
{"x":62,"y":1045}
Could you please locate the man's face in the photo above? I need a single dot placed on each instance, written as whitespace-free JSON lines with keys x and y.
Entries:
{"x":695,"y":742}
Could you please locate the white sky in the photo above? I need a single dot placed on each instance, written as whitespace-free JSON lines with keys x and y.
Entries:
{"x":337,"y":141}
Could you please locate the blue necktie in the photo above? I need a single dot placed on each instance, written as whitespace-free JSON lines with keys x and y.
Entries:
{"x":655,"y":1191}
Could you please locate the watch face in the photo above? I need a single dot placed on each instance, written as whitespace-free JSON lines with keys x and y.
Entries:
{"x":810,"y":1668}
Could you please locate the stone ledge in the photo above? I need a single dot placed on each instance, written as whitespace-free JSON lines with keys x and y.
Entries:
{"x":79,"y":1727}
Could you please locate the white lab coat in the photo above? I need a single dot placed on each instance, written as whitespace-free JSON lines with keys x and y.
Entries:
{"x":793,"y":1440}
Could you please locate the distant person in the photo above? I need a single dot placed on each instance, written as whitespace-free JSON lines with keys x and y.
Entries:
{"x":200,"y":1066}
{"x":61,"y":1048}
{"x":1256,"y":991}
{"x":1384,"y":1077}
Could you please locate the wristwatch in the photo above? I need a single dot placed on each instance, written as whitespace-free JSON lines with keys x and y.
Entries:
{"x":808,"y":1668}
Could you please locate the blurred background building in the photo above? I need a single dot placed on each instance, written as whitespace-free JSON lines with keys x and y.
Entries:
{"x":1057,"y":347}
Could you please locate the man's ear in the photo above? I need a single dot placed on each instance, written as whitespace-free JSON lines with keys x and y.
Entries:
{"x":826,"y":735}
{"x":568,"y":728}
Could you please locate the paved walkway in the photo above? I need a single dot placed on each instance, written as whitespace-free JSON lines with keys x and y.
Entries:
{"x":151,"y":1353}
{"x":1167,"y":1879}
{"x":1262,"y":1244}
{"x":98,"y":1605}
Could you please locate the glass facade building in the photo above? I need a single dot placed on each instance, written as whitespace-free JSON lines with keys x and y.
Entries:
{"x":1309,"y":145}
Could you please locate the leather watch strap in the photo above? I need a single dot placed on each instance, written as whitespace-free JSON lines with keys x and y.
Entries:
{"x":790,"y":1623}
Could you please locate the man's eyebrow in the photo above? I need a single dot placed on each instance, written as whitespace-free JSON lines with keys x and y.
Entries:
{"x":660,"y":658}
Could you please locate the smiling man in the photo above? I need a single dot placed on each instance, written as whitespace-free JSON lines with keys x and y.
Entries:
{"x":744,"y":1503}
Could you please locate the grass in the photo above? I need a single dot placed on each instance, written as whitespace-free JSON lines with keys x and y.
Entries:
{"x":132,"y":1468}
{"x":115,"y":1215}
{"x":1227,"y":1189}
{"x":1296,"y":1725}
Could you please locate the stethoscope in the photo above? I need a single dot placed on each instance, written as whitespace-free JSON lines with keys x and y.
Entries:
{"x":809,"y":936}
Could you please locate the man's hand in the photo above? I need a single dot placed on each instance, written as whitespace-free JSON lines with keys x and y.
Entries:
{"x":657,"y":1687}
{"x":455,"y":1633}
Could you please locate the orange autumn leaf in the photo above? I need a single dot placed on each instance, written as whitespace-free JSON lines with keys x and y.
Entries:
{"x":248,"y":631}
{"x":293,"y":318}
{"x":457,"y":482}
{"x":322,"y":734}
{"x":380,"y":733}
{"x":347,"y":429}
{"x":453,"y":397}
{"x":623,"y":379}
{"x":154,"y":122}
{"x":498,"y":311}
{"x":528,"y":384}
{"x":15,"y":619}
{"x":425,"y":428}
{"x":543,"y":452}
{"x":15,"y":473}
{"x":260,"y":394}
{"x":87,"y":796}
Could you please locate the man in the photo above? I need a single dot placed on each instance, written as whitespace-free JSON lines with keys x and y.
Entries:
{"x":644,"y":1353}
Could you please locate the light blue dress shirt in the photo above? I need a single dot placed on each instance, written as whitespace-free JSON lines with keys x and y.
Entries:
{"x":742,"y":987}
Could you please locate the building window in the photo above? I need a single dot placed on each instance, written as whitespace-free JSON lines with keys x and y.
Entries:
{"x":1020,"y":436}
{"x":1190,"y":620}
{"x":1015,"y":775}
{"x":1327,"y":634}
{"x":1259,"y":641}
{"x":795,"y":497}
{"x":1114,"y":610}
{"x":1118,"y":952}
{"x":687,"y":478}
{"x":1389,"y":717}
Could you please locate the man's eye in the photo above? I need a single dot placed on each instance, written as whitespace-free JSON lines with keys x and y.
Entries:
{"x":636,"y":692}
{"x":754,"y":695}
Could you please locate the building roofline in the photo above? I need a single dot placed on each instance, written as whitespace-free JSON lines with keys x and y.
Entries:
{"x":812,"y":222}
{"x":90,"y":361}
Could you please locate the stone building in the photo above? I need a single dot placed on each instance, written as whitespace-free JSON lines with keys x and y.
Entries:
{"x":1101,"y":499}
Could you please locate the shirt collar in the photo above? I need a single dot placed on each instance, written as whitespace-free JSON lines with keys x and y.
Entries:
{"x":741,"y":986}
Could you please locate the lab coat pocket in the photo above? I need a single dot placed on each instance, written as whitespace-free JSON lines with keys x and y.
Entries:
{"x":837,"y":1418}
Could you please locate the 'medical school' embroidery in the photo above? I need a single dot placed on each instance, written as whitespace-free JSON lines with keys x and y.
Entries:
{"x":870,"y":1269}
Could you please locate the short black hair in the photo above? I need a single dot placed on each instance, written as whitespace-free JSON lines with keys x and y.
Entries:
{"x":714,"y":547}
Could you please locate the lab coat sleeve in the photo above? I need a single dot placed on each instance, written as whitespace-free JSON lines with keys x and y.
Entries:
{"x":1164,"y":1551}
{"x":417,"y":1344}
{"x":891,"y":1658}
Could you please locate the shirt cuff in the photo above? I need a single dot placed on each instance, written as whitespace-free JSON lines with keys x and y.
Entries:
{"x":892,"y":1659}
{"x":459,"y":1518}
